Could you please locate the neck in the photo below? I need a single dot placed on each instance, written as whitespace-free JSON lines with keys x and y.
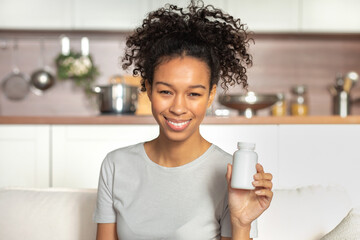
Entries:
{"x":176,"y":153}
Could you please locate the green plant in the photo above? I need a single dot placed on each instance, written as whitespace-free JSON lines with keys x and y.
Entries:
{"x":77,"y":67}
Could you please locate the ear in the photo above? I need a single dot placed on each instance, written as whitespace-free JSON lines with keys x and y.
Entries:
{"x":212,"y":95}
{"x":148,"y":89}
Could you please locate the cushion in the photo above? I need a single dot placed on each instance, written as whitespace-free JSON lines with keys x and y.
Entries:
{"x":55,"y":214}
{"x":303,"y":213}
{"x":296,"y":214}
{"x":348,"y":228}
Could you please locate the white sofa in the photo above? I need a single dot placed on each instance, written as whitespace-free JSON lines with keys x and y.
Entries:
{"x":306,"y":213}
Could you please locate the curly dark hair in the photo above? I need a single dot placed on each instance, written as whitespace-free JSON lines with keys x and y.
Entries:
{"x":203,"y":32}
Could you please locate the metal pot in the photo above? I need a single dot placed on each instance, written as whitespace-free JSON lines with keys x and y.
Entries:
{"x":117,"y":98}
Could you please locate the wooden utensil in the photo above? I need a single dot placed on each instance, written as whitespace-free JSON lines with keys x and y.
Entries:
{"x":350,"y":80}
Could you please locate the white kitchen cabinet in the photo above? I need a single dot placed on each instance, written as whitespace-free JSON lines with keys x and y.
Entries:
{"x":155,"y":4}
{"x":78,"y":150}
{"x":264,"y":136}
{"x":71,"y":155}
{"x":35,"y":14}
{"x":265,"y":15}
{"x":320,"y":154}
{"x":259,"y":15}
{"x":119,"y":15}
{"x":330,"y":16}
{"x":24,"y":155}
{"x":109,"y":14}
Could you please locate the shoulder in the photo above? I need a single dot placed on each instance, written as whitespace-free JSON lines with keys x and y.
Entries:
{"x":122,"y":162}
{"x":124,"y":151}
{"x":221,"y":152}
{"x":123,"y":155}
{"x":219,"y":155}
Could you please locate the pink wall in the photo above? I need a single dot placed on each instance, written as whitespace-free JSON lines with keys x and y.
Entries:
{"x":280,"y":61}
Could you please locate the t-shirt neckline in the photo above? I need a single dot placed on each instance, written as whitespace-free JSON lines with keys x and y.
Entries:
{"x":182,"y":167}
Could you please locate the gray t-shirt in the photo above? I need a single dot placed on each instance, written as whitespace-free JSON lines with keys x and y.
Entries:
{"x":149,"y":201}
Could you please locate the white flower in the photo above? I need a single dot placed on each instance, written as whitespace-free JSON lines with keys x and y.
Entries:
{"x":68,"y":61}
{"x":78,"y":66}
{"x":86,"y":61}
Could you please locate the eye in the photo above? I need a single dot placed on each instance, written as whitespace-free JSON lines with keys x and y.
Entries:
{"x":165,"y":92}
{"x":194,"y":94}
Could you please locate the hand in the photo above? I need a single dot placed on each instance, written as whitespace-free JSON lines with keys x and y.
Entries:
{"x":247,"y":205}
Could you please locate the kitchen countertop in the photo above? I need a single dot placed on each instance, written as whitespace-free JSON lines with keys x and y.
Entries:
{"x":150,"y":120}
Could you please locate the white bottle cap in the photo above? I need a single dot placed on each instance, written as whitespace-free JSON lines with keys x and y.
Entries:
{"x":246,"y":145}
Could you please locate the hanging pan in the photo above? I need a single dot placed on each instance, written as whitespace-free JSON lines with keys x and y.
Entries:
{"x":16,"y":85}
{"x":42,"y":79}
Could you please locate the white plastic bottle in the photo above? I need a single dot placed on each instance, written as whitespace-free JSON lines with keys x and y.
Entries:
{"x":244,"y":166}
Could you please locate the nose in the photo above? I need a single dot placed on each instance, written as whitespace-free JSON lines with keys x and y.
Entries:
{"x":178,"y":106}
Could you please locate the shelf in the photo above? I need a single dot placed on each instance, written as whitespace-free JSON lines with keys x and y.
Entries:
{"x":131,"y":120}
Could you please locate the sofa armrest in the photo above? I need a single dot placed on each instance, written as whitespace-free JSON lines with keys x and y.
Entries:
{"x":305,"y":213}
{"x":47,"y":214}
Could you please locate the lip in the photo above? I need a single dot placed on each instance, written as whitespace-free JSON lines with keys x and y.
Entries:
{"x":176,"y":124}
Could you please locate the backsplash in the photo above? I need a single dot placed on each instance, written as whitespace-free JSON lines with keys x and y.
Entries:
{"x":280,"y":62}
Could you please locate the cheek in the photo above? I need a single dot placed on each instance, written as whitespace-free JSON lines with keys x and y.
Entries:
{"x":158,"y":105}
{"x":200,"y":106}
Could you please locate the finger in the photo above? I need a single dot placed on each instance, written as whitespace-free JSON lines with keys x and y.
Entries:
{"x":263,"y":184}
{"x":263,"y":176}
{"x":259,"y":168}
{"x":265,"y":193}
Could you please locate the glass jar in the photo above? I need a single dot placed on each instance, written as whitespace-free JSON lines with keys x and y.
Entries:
{"x":299,"y":105}
{"x":279,"y":108}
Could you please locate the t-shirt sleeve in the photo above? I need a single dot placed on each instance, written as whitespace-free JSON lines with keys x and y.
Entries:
{"x":104,"y":211}
{"x":225,"y":224}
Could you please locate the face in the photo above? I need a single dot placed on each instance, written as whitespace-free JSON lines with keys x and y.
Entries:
{"x":179,"y":95}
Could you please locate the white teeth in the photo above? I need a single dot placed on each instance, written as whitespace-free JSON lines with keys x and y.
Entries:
{"x":178,"y":124}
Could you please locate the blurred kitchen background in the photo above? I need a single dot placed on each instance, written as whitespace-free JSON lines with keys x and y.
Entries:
{"x":297,"y":42}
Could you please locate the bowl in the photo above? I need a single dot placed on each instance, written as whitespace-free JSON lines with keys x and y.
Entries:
{"x":247,"y":104}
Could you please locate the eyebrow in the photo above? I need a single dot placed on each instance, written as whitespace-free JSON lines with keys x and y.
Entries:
{"x":193,"y":86}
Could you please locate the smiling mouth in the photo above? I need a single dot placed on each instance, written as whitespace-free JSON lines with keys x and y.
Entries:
{"x":177,"y":125}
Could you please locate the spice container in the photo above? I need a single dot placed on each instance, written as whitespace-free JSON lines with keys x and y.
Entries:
{"x":299,"y":105}
{"x":279,"y":108}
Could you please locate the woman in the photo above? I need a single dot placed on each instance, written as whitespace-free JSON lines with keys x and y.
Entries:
{"x":173,"y":187}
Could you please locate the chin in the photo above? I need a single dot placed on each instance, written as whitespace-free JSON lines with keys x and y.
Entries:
{"x":175,"y":136}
